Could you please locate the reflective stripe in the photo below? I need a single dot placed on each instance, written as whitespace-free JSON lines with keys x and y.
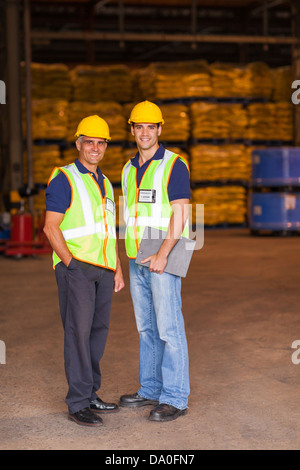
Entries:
{"x":125,"y":177}
{"x":83,"y":194}
{"x":88,"y":230}
{"x":90,"y":227}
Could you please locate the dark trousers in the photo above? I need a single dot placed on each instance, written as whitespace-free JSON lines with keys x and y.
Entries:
{"x":85,"y":295}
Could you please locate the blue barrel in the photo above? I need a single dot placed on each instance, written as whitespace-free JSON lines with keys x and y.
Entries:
{"x":276,"y":167}
{"x":274,"y":211}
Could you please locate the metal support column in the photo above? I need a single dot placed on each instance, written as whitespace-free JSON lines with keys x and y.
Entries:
{"x":13,"y":90}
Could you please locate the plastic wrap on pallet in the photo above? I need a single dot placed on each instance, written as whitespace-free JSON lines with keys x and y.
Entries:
{"x":44,"y":159}
{"x":102,"y":83}
{"x":276,"y":167}
{"x":161,"y":81}
{"x":218,"y":120}
{"x":222,"y":205}
{"x":48,"y":81}
{"x":49,"y":119}
{"x":274,"y":211}
{"x":282,"y":80}
{"x":220,"y":162}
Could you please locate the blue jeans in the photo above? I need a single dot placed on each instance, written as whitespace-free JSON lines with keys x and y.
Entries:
{"x":163,"y":353}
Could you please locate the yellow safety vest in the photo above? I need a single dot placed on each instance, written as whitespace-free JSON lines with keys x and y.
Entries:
{"x":89,"y":223}
{"x":147,"y":204}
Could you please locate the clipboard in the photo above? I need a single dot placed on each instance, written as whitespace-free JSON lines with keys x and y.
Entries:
{"x":179,"y":258}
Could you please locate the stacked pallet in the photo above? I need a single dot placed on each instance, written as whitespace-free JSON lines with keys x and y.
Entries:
{"x":48,"y":81}
{"x":220,"y":162}
{"x":282,"y":81}
{"x":49,"y":119}
{"x":222,"y":205}
{"x":188,"y":79}
{"x":251,"y":81}
{"x":218,"y":120}
{"x":44,"y":159}
{"x":106,"y":83}
{"x":270,"y":121}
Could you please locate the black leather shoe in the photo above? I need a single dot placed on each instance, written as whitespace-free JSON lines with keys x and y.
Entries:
{"x":165,"y":412}
{"x":86,"y":417}
{"x":100,"y":406}
{"x":135,"y":400}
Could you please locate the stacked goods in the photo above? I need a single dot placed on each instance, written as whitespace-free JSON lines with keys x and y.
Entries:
{"x":48,"y":81}
{"x":112,"y":163}
{"x":111,"y":111}
{"x":222,"y":205}
{"x":44,"y":160}
{"x":282,"y":80}
{"x":173,"y":80}
{"x":49,"y":119}
{"x":218,"y":121}
{"x":94,"y":84}
{"x":220,"y":162}
{"x":252,"y":81}
{"x":260,"y":80}
{"x":270,"y":121}
{"x":226,"y":80}
{"x":284,"y":120}
{"x":177,"y":122}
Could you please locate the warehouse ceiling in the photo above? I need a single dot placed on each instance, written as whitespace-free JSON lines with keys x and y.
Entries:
{"x":130,"y":31}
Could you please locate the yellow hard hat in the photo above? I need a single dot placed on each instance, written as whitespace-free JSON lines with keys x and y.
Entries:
{"x":146,"y":112}
{"x":93,"y":126}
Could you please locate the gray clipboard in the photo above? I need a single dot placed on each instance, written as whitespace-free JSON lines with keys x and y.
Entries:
{"x":179,"y":258}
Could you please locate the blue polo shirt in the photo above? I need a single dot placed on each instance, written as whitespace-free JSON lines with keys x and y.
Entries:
{"x":58,"y":192}
{"x":179,"y":182}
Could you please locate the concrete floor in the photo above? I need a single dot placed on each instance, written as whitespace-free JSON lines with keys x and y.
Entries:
{"x":241,"y":307}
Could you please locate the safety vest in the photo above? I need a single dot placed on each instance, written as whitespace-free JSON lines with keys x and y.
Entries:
{"x":147,"y":204}
{"x":89,"y":223}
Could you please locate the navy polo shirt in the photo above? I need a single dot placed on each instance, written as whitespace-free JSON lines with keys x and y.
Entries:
{"x":58,"y":192}
{"x":179,"y":182}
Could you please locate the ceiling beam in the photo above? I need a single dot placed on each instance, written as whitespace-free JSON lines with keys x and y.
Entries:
{"x":157,"y":37}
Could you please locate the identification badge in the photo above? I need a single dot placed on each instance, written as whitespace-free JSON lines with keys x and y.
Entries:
{"x":147,"y":195}
{"x":110,"y":205}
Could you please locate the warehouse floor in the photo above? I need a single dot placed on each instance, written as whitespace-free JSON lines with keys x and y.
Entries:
{"x":241,"y":306}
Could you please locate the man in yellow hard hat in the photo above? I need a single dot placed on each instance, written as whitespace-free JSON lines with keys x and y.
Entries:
{"x":80,"y":226}
{"x":156,"y":189}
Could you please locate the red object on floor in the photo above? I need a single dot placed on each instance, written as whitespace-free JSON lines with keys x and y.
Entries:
{"x":22,"y":241}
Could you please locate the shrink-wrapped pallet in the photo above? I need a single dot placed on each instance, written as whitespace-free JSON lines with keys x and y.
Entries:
{"x":160,"y":81}
{"x":282,"y":80}
{"x":112,"y":163}
{"x":270,"y":121}
{"x":101,"y":83}
{"x":222,"y":205}
{"x":251,"y":81}
{"x":111,"y":111}
{"x":49,"y":119}
{"x":218,"y":120}
{"x":48,"y":81}
{"x":44,"y":159}
{"x":177,"y":122}
{"x":220,"y":162}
